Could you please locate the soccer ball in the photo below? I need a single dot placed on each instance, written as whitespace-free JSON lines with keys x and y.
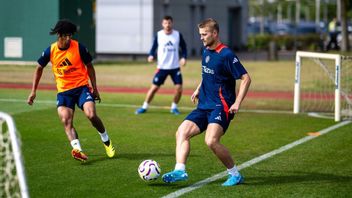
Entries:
{"x":149,"y":170}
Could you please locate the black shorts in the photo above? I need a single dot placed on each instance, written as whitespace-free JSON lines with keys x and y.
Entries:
{"x":204,"y":117}
{"x":70,"y":98}
{"x":161,"y":74}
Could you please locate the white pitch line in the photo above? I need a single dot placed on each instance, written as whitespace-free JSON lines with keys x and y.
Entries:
{"x":222,"y":174}
{"x":317,"y":115}
{"x":136,"y":106}
{"x":254,"y":161}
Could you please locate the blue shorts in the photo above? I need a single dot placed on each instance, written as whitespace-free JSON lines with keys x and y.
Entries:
{"x":70,"y":98}
{"x":203,"y":117}
{"x":161,"y":74}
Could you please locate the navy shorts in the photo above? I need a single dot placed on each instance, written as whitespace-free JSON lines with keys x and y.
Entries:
{"x":204,"y":117}
{"x":161,"y":74}
{"x":70,"y":98}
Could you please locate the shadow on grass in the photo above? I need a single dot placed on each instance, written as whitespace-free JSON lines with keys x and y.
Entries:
{"x":143,"y":156}
{"x":95,"y":158}
{"x":174,"y":186}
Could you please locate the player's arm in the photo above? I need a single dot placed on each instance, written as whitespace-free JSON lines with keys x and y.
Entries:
{"x":93,"y":81}
{"x":194,"y":97}
{"x":36,"y":78}
{"x":87,"y":60}
{"x":152,"y":51}
{"x":42,"y":62}
{"x":243,"y":89}
{"x":183,"y":47}
{"x":235,"y":67}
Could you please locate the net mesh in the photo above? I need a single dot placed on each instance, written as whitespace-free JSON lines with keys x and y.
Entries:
{"x":318,"y":86}
{"x":9,"y":185}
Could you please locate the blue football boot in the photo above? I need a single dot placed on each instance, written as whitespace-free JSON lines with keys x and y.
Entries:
{"x":174,"y":176}
{"x":140,"y":111}
{"x":233,"y":180}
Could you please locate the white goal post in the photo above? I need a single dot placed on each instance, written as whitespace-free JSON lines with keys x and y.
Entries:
{"x":336,"y":79}
{"x":13,"y":180}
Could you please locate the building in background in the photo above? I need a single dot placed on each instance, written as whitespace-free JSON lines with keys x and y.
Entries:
{"x":125,"y":27}
{"x":114,"y":27}
{"x":25,"y":26}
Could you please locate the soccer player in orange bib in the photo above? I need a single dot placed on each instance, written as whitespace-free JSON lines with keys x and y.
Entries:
{"x":74,"y":74}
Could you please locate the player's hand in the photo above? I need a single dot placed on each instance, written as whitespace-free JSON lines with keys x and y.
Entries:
{"x":31,"y":98}
{"x":183,"y":62}
{"x":194,"y":97}
{"x":150,"y":59}
{"x":234,"y":108}
{"x":98,"y":99}
{"x":96,"y":95}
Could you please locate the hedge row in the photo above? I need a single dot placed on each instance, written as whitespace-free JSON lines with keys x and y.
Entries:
{"x":286,"y":42}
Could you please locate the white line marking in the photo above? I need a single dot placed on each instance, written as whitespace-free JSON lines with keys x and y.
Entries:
{"x":317,"y":115}
{"x":136,"y":106}
{"x":254,"y":161}
{"x":222,"y":174}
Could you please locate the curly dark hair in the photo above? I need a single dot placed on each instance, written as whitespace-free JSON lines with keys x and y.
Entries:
{"x":64,"y":26}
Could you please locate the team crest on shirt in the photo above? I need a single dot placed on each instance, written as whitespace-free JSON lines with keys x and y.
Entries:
{"x":207,"y":59}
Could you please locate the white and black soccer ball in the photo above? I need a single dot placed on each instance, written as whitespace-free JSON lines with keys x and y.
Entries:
{"x":149,"y":170}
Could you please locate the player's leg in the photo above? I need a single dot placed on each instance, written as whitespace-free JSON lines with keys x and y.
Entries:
{"x":65,"y":109}
{"x":87,"y":104}
{"x":66,"y":117}
{"x":176,"y":99}
{"x":158,"y":80}
{"x":185,"y":131}
{"x":148,"y":98}
{"x":336,"y":45}
{"x":193,"y":125}
{"x":90,"y":112}
{"x":151,"y":92}
{"x":212,"y":139}
{"x":219,"y":121}
{"x":176,"y":77}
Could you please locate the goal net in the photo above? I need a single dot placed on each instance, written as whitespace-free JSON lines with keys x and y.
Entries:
{"x":12,"y":177}
{"x":323,"y":85}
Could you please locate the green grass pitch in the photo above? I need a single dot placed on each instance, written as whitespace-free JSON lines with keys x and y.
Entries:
{"x":318,"y":168}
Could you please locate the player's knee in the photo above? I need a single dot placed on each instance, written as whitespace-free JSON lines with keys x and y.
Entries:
{"x":66,"y":120}
{"x":179,"y":89}
{"x":179,"y":134}
{"x":182,"y":134}
{"x":154,"y":88}
{"x":91,"y":115}
{"x":211,"y":142}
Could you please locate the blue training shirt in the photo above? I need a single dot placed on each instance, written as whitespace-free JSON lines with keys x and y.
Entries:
{"x":220,"y":70}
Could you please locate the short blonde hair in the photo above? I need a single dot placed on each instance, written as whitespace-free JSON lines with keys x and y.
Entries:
{"x":210,"y":23}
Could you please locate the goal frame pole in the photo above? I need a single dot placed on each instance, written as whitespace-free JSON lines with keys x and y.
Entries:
{"x":17,"y":154}
{"x":297,"y":85}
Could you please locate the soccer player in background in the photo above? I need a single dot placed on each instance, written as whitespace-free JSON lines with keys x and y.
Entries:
{"x":73,"y":70}
{"x":217,"y":104}
{"x":166,"y":43}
